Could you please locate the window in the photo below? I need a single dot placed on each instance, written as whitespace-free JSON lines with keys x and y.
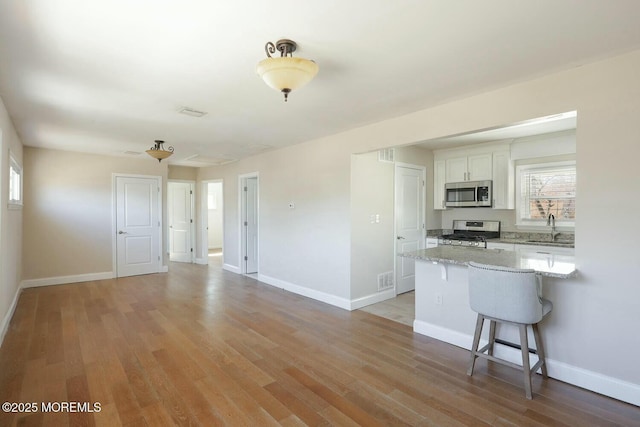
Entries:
{"x":15,"y":183}
{"x":544,"y":189}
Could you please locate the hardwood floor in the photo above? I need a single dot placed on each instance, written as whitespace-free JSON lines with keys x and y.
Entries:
{"x":201,"y":346}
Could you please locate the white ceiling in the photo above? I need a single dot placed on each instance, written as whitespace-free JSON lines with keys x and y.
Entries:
{"x":110,"y":76}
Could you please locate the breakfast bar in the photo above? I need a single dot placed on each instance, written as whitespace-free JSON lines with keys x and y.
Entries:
{"x":441,"y":290}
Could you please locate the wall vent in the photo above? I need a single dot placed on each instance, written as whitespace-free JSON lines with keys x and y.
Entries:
{"x":385,"y":281}
{"x":386,"y":155}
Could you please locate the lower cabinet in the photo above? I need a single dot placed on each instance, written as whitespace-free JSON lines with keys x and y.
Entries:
{"x":498,"y":245}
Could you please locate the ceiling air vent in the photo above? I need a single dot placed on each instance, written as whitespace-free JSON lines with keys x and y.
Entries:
{"x":192,"y":112}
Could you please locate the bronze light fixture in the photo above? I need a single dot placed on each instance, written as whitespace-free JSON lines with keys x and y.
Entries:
{"x":285,"y":73}
{"x":158,"y":151}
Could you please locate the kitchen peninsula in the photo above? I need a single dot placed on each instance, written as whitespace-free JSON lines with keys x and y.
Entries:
{"x":441,"y":290}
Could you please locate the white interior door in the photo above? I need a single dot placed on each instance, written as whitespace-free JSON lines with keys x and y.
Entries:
{"x":179,"y":211}
{"x":137,"y":226}
{"x":251,"y":225}
{"x":409,"y":217}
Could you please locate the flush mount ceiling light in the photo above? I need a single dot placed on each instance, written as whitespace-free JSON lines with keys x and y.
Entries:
{"x":158,"y":151}
{"x":285,"y":73}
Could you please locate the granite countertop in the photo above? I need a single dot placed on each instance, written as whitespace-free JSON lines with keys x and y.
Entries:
{"x":548,"y":264}
{"x":559,"y":244}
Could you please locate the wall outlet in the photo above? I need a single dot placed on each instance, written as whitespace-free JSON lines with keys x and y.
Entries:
{"x":438,"y":299}
{"x":292,"y":205}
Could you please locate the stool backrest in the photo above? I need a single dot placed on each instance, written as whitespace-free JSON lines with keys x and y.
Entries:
{"x":505,"y":293}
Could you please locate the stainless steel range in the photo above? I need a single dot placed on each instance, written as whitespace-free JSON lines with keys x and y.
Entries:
{"x":471,"y":233}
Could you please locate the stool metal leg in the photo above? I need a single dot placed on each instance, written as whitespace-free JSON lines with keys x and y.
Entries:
{"x":476,"y":343}
{"x":524,"y":344}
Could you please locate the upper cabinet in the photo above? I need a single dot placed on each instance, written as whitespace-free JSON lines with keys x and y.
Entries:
{"x":476,"y":163}
{"x":503,"y":180}
{"x":469,"y":168}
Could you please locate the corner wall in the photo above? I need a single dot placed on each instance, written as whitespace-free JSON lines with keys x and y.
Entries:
{"x":68,"y":206}
{"x":10,"y":224}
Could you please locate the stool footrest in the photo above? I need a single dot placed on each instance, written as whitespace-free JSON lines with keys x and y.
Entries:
{"x":514,"y":345}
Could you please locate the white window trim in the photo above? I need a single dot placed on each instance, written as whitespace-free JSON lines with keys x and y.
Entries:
{"x":537,"y":225}
{"x":14,"y":165}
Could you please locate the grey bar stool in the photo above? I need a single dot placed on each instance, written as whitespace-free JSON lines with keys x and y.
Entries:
{"x":508,"y":295}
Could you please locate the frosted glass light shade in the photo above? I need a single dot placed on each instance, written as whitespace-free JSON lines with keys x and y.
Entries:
{"x":286,"y":72}
{"x":159,"y":154}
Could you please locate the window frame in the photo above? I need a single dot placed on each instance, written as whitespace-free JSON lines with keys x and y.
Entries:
{"x":537,"y":224}
{"x":15,"y":168}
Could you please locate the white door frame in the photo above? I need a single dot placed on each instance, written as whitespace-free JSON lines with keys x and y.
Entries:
{"x":114,"y":224}
{"x":192,"y":226}
{"x":242,"y":179}
{"x":204,"y":223}
{"x":424,"y":213}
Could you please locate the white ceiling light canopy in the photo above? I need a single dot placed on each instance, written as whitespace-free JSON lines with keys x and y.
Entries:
{"x":158,"y":151}
{"x":285,"y":73}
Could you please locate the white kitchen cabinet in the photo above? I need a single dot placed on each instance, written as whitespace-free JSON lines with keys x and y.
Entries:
{"x":500,"y":245}
{"x":503,"y":180}
{"x":476,"y":167}
{"x":432,"y":242}
{"x":554,"y":250}
{"x":438,"y":184}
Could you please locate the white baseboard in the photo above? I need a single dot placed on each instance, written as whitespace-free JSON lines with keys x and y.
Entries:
{"x":310,"y":293}
{"x":231,"y":268}
{"x":4,"y":327}
{"x":608,"y":386}
{"x":164,"y":269}
{"x":61,"y":280}
{"x":372,"y":299}
{"x":201,"y":261}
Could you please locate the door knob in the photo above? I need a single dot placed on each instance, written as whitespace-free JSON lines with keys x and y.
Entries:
{"x":399,"y":238}
{"x":122,"y":232}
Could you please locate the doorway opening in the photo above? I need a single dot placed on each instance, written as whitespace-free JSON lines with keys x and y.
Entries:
{"x":249,"y":228}
{"x":212,"y":222}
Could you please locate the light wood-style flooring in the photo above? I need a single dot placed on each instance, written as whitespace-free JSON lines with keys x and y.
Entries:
{"x":400,"y":309}
{"x":202,"y":346}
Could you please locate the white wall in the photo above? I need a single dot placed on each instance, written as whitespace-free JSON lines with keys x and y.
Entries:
{"x":68,"y":211}
{"x":372,"y":191}
{"x":594,"y":325}
{"x":306,"y":249}
{"x":10,"y":224}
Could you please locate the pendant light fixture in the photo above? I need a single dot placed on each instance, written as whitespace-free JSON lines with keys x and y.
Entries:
{"x":158,"y":151}
{"x":285,"y":73}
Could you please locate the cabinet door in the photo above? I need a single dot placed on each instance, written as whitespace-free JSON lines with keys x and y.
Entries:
{"x":456,"y":169}
{"x":503,"y":181}
{"x":438,"y":184}
{"x":498,"y":245}
{"x":479,"y":167}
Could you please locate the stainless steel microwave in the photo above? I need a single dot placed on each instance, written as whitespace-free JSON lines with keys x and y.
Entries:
{"x":469,"y":194}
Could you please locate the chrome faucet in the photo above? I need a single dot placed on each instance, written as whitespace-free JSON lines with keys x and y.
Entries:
{"x":551,"y":221}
